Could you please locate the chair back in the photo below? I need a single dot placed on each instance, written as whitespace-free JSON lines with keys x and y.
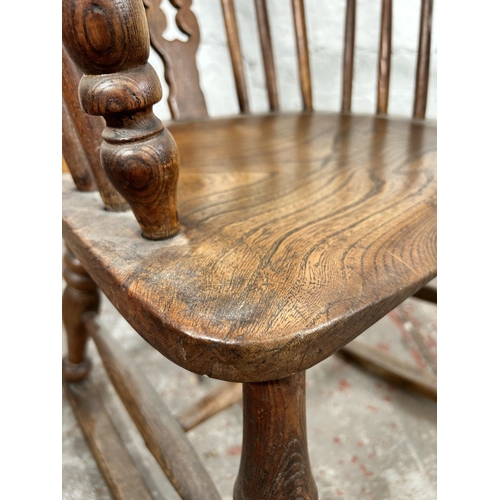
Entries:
{"x":186,"y":99}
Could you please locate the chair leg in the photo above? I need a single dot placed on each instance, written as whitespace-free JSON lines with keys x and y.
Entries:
{"x":275,"y":460}
{"x":80,"y":296}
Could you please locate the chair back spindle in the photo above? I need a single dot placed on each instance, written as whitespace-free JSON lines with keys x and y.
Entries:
{"x":89,"y":129}
{"x":109,"y":41}
{"x":348,"y":66}
{"x":299,"y":20}
{"x":185,"y":99}
{"x":236,"y":56}
{"x":423,"y":60}
{"x":267,"y":54}
{"x":384,"y":58}
{"x":74,"y":154}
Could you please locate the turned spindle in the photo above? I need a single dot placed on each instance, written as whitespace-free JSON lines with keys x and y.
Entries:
{"x":109,"y":42}
{"x":275,"y":459}
{"x":80,"y":296}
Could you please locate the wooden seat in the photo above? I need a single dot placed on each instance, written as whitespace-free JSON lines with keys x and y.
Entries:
{"x":255,"y":247}
{"x":297,"y":234}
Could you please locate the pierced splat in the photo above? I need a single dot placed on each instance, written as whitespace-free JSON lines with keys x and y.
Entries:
{"x":185,"y":98}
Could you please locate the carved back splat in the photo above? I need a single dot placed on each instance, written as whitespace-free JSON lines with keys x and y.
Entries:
{"x":185,"y":98}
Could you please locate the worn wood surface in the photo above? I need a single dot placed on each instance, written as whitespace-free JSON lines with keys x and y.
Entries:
{"x":267,"y":53}
{"x":74,"y":156}
{"x":298,"y":233}
{"x":274,"y":459}
{"x":109,"y":41}
{"x":348,"y":64}
{"x":112,"y":457}
{"x":299,"y":19}
{"x":185,"y":98}
{"x":219,"y":398}
{"x":79,"y":297}
{"x":384,"y":58}
{"x":89,"y":130}
{"x":423,"y":60}
{"x":233,"y":41}
{"x":162,"y":434}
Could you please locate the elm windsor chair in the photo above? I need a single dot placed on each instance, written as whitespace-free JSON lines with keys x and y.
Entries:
{"x":288,"y":236}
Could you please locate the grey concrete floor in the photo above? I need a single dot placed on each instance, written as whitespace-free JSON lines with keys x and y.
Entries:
{"x":367,"y":438}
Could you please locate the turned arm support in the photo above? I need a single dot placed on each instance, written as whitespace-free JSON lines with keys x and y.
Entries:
{"x":109,"y":42}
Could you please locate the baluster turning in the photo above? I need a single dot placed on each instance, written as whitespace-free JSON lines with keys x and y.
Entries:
{"x":109,"y":41}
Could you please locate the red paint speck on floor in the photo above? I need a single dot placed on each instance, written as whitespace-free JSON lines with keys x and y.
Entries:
{"x":234,"y":450}
{"x":343,"y":384}
{"x":383,"y":346}
{"x":365,"y":471}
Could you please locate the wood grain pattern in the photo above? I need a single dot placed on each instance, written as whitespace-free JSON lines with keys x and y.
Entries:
{"x":348,"y":65}
{"x":274,"y":459}
{"x":299,"y":232}
{"x":384,"y":58}
{"x":111,"y":455}
{"x":219,"y":398}
{"x":185,"y":98}
{"x":79,"y":297}
{"x":267,"y":53}
{"x":233,"y":40}
{"x":109,"y":41}
{"x":162,"y":433}
{"x":299,"y":19}
{"x":423,"y":60}
{"x":89,"y":129}
{"x":74,"y":155}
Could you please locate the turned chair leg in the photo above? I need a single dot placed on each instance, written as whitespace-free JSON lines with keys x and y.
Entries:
{"x":80,"y":296}
{"x":275,"y":461}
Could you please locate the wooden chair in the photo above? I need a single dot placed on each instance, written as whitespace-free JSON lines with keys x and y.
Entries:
{"x":255,"y":246}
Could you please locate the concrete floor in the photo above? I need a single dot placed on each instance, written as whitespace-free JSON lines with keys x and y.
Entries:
{"x":367,"y":438}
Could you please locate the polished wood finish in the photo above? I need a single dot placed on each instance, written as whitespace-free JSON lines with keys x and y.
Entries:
{"x":384,"y":58}
{"x":185,"y":98}
{"x":424,"y":57}
{"x":162,"y":433}
{"x":112,"y":457}
{"x":109,"y":41}
{"x":299,"y":19}
{"x":235,"y":52}
{"x":298,"y":234}
{"x":348,"y":66}
{"x":267,"y":54}
{"x":219,"y":398}
{"x":274,"y":459}
{"x":74,"y":154}
{"x":80,"y":296}
{"x":89,"y":129}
